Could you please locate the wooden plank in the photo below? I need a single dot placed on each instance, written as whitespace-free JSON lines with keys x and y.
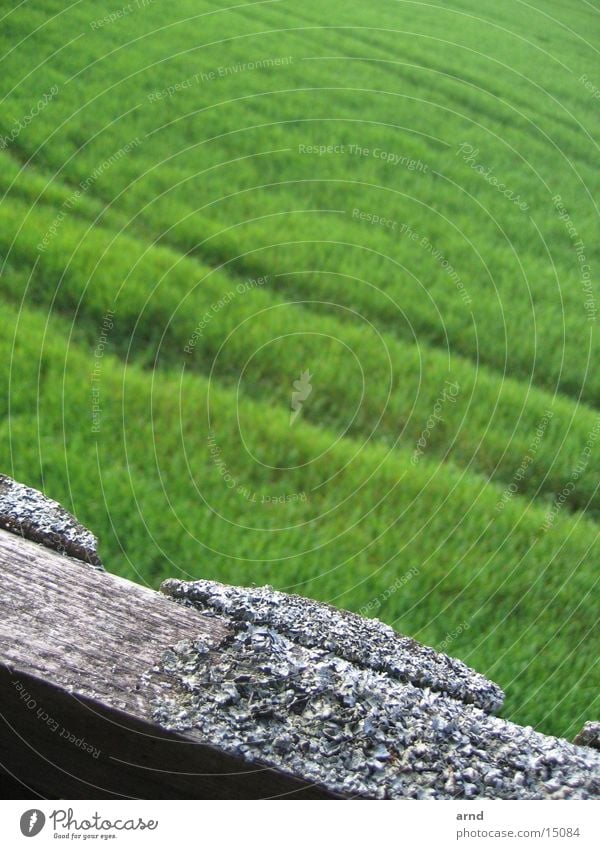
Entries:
{"x":74,"y":644}
{"x":112,"y":690}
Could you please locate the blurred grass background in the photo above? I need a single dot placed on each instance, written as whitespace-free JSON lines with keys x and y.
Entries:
{"x":173,"y":258}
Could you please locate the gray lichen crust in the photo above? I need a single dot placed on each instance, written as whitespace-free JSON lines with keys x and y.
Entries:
{"x":357,"y":731}
{"x":589,"y":735}
{"x":367,"y":643}
{"x":32,"y":515}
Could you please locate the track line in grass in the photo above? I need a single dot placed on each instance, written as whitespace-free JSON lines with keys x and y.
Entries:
{"x":236,"y":259}
{"x":460,"y":501}
{"x":474,"y":563}
{"x":503,"y":438}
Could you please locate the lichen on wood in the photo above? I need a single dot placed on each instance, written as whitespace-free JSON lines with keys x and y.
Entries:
{"x":304,"y":688}
{"x":29,"y":513}
{"x":368,"y":642}
{"x":589,"y":735}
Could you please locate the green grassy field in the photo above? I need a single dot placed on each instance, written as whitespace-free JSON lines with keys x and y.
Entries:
{"x":199,"y":204}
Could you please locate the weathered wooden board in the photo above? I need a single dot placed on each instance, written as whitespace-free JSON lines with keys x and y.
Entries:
{"x":109,"y":689}
{"x":76,"y":717}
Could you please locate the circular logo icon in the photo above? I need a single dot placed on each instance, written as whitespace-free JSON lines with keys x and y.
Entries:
{"x":32,"y":822}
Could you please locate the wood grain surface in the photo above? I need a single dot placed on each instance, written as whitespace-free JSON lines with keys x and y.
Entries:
{"x":76,"y":711}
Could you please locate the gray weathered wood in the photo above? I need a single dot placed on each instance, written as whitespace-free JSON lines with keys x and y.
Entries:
{"x":109,"y":689}
{"x":77,"y":642}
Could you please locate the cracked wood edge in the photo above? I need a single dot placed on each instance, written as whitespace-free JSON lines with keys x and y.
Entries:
{"x":77,"y":642}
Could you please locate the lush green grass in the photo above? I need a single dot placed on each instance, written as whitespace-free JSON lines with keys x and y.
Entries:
{"x":160,"y":506}
{"x":386,"y":388}
{"x":217,"y":189}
